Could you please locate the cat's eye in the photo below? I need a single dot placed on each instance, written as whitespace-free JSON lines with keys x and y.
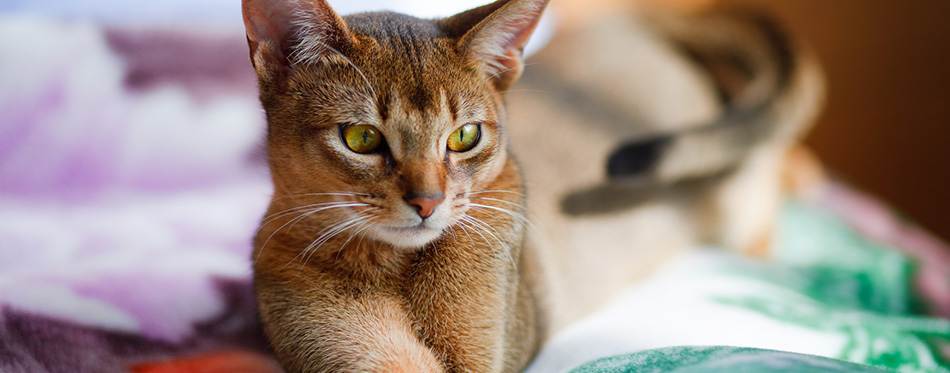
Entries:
{"x":464,"y":138}
{"x":362,"y":138}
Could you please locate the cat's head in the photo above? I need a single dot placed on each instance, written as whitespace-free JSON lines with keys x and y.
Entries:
{"x":382,"y":122}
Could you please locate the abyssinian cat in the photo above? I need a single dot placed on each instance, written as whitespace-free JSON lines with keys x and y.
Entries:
{"x":641,"y":134}
{"x":396,"y":241}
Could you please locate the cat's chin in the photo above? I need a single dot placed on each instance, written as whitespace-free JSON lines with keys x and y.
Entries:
{"x":408,"y":238}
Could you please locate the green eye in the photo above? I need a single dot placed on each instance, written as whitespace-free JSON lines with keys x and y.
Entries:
{"x":465,"y":138}
{"x":362,"y":138}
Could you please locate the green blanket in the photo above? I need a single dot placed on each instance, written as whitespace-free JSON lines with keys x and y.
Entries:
{"x":689,"y":359}
{"x":828,"y":291}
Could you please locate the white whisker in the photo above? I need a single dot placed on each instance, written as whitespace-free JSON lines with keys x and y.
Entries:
{"x":461,"y":225}
{"x":494,"y":191}
{"x":294,"y":221}
{"x":495,"y":75}
{"x":465,"y":223}
{"x":277,"y":215}
{"x":527,"y":90}
{"x":336,"y":194}
{"x":299,"y":57}
{"x":362,"y":235}
{"x":455,"y":237}
{"x":332,"y":232}
{"x":366,"y":224}
{"x":484,"y":226}
{"x":518,"y":205}
{"x":513,"y":214}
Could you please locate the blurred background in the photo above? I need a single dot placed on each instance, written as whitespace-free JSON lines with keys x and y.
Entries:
{"x":885,"y":127}
{"x":886,"y":123}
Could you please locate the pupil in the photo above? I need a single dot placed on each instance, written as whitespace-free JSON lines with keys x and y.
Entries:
{"x":462,"y":136}
{"x":365,"y":136}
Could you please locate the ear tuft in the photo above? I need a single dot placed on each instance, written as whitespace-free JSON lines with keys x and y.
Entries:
{"x":283,"y":33}
{"x":497,"y":34}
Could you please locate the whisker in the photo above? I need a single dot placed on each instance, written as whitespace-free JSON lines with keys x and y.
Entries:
{"x":518,"y":205}
{"x":366,"y":224}
{"x":486,"y":226}
{"x":294,"y":221}
{"x":348,"y":61}
{"x":303,"y":255}
{"x":277,"y":215}
{"x":454,"y":236}
{"x":339,"y":228}
{"x":362,"y":236}
{"x":497,"y":239}
{"x":331,"y":232}
{"x":513,"y":214}
{"x":494,"y":191}
{"x":340,"y":194}
{"x":461,"y":225}
{"x":355,"y":204}
{"x":478,"y":223}
{"x":465,"y":223}
{"x":527,"y":90}
{"x":495,"y":75}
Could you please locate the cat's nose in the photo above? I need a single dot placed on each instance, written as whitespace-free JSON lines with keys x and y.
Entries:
{"x":425,"y":205}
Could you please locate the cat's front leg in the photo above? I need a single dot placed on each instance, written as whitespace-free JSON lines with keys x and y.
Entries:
{"x":318,"y":328}
{"x":464,"y":325}
{"x":473,"y":308}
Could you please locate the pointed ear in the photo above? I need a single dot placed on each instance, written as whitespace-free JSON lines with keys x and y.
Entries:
{"x":282,"y":33}
{"x":495,"y":35}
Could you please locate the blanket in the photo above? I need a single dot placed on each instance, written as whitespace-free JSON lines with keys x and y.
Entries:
{"x":132,"y":180}
{"x":828,"y":291}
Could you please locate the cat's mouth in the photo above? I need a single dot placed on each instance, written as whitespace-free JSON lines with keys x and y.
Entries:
{"x":409,"y":229}
{"x":409,"y":237}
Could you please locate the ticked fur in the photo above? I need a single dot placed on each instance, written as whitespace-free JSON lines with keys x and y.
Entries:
{"x":410,"y":257}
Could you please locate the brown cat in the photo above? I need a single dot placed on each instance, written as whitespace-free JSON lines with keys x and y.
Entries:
{"x":394,"y":241}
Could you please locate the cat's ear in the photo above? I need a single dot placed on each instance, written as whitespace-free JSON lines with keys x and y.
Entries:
{"x":496,"y":34}
{"x":282,"y":33}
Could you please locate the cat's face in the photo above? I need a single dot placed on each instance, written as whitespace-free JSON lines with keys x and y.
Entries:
{"x":406,"y":145}
{"x":387,"y":127}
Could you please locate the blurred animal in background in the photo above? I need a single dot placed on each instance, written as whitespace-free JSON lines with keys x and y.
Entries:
{"x":644,"y":133}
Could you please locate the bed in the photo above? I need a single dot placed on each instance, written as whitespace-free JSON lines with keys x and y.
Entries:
{"x":132,"y":179}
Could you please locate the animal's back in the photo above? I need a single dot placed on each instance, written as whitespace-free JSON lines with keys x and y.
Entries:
{"x":642,"y":135}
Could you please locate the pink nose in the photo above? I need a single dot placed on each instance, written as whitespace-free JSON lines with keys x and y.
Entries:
{"x":426,"y":205}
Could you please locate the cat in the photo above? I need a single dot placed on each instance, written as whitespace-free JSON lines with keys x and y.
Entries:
{"x":394,"y":240}
{"x":643,"y":134}
{"x":396,"y":237}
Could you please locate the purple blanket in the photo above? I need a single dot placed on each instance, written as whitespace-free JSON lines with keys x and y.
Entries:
{"x":131,"y":183}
